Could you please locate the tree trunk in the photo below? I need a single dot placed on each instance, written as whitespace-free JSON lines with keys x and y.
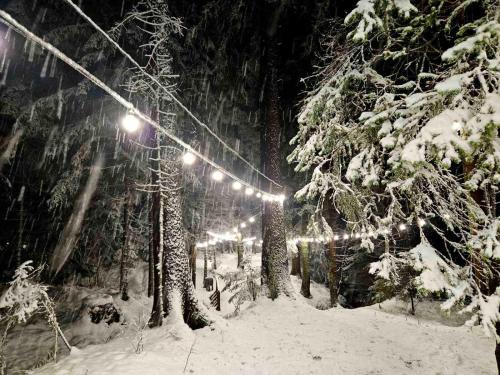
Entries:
{"x":412,"y":303}
{"x":179,"y":299}
{"x":205,"y":265}
{"x":275,"y":278}
{"x":157,"y":236}
{"x":295,"y":271}
{"x":125,"y":246}
{"x":214,"y":264}
{"x":150,"y":252}
{"x":497,"y":349}
{"x":239,"y":251}
{"x":192,"y":258}
{"x":332,"y":273}
{"x":20,"y":245}
{"x":305,"y":288}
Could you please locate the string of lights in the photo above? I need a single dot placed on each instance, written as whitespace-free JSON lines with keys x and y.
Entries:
{"x":166,"y":90}
{"x":215,"y":241}
{"x":344,"y":236}
{"x":356,"y":235}
{"x":132,"y":121}
{"x":231,"y":236}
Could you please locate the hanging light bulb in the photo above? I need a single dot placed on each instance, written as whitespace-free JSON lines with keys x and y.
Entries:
{"x":248,"y":191}
{"x":258,"y":195}
{"x":346,"y":236}
{"x":188,"y":158}
{"x":217,"y":175}
{"x":236,"y":185}
{"x":243,"y":225}
{"x":402,"y":226}
{"x":252,"y":220}
{"x":130,"y":123}
{"x":336,"y":237}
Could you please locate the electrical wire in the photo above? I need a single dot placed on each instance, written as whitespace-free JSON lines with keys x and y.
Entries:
{"x":8,"y":20}
{"x":168,"y":92}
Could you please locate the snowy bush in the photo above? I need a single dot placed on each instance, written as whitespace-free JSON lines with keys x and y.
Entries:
{"x":418,"y":272}
{"x":23,"y":298}
{"x":243,"y":284}
{"x":395,"y":278}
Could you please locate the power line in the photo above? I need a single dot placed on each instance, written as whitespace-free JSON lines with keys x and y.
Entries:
{"x":7,"y":19}
{"x":168,"y":92}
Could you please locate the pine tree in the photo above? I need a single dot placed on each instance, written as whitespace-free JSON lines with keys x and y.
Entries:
{"x":173,"y":288}
{"x":404,"y":127}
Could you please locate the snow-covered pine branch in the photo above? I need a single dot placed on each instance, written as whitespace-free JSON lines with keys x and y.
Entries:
{"x":409,"y":130}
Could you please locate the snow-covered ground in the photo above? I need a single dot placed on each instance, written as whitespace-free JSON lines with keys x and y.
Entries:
{"x":289,"y":337}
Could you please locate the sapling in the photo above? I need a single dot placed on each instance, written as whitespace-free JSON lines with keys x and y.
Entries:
{"x":25,"y":297}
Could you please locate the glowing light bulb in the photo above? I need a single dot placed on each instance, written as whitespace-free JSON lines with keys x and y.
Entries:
{"x":236,"y":185}
{"x":248,"y":191}
{"x":258,"y":195}
{"x":188,"y":158}
{"x":402,"y":226}
{"x":130,"y":123}
{"x":252,"y":220}
{"x":243,"y":225}
{"x":357,"y":235}
{"x":336,"y":237}
{"x":346,"y":236}
{"x":217,"y":175}
{"x":421,"y":222}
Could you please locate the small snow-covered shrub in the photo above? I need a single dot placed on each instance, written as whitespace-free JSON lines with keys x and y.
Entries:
{"x":23,"y":298}
{"x":395,"y":278}
{"x":243,"y":284}
{"x":420,"y":272}
{"x":139,"y":326}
